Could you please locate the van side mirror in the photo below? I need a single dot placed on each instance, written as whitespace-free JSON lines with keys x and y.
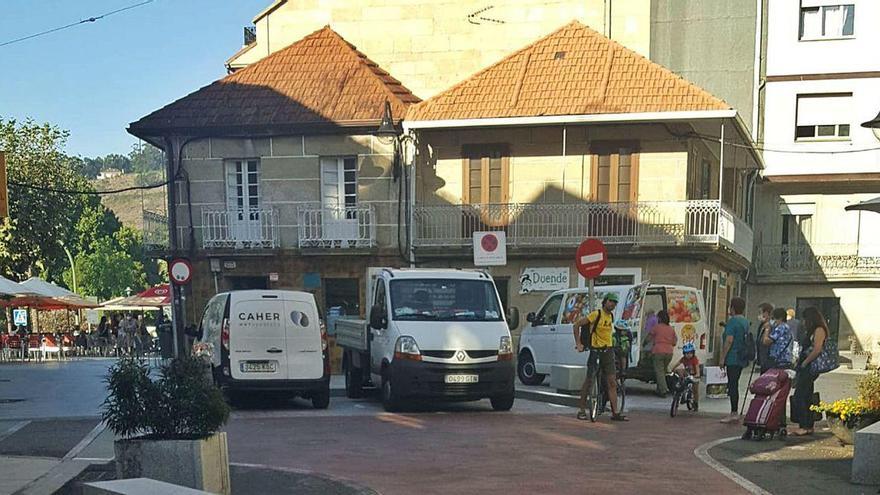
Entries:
{"x":512,"y":318}
{"x":531,"y":318}
{"x":378,"y":320}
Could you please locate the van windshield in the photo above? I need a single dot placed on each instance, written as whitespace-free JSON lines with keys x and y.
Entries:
{"x":444,"y":300}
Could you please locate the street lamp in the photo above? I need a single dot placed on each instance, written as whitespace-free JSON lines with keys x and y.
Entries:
{"x":72,"y":264}
{"x":874,"y":125}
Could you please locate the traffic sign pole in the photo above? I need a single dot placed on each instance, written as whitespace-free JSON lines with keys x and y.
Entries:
{"x":591,"y":259}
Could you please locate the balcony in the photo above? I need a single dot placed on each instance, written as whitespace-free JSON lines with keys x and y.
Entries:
{"x":255,"y":228}
{"x":155,"y":231}
{"x":817,"y":262}
{"x":345,"y":227}
{"x":648,"y":223}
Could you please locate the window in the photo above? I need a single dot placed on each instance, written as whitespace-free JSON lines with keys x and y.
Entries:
{"x":823,"y":117}
{"x":338,"y":183}
{"x":615,"y":173}
{"x":242,"y":186}
{"x":827,"y":21}
{"x":796,"y":229}
{"x":549,"y":314}
{"x":444,"y":300}
{"x":486,"y":174}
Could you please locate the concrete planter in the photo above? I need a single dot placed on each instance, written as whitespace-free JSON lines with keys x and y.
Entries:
{"x":860,"y":361}
{"x":200,"y":464}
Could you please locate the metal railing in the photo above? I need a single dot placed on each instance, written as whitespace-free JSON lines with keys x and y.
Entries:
{"x":838,"y":260}
{"x":155,"y":230}
{"x":255,"y":228}
{"x":544,"y":224}
{"x":344,"y":227}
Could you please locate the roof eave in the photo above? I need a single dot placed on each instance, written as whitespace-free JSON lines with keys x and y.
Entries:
{"x":570,"y":119}
{"x":263,"y":130}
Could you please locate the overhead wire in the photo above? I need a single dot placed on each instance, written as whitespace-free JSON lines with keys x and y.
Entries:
{"x":74,"y":24}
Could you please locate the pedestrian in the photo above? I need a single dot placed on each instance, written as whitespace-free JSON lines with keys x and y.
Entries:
{"x":599,"y":324}
{"x":114,"y":333}
{"x":795,"y":325}
{"x":735,"y":330}
{"x":778,"y":341}
{"x":663,"y":342}
{"x":103,"y":332}
{"x":816,"y":346}
{"x":127,"y":332}
{"x":140,"y":336}
{"x":764,"y":311}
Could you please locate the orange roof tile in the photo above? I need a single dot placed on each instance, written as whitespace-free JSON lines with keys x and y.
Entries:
{"x":572,"y":71}
{"x":319,"y":80}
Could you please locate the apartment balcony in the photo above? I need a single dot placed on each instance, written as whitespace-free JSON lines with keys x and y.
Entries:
{"x":645,"y":223}
{"x":155,"y":231}
{"x":814,"y":263}
{"x":245,"y":229}
{"x":339,"y":228}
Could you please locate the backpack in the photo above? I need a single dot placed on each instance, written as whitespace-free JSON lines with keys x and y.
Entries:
{"x":587,"y":337}
{"x":748,"y":351}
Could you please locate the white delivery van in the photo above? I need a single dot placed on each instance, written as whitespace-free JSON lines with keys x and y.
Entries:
{"x":266,"y":340}
{"x":430,"y":334}
{"x":548,"y":340}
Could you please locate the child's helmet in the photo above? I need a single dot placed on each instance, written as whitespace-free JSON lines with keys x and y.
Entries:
{"x":689,"y":347}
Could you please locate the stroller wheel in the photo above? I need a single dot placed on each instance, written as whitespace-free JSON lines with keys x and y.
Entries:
{"x":747,"y":435}
{"x":761,"y":435}
{"x":783,"y":433}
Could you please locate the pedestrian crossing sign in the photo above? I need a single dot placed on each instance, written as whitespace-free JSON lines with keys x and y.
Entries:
{"x":19,"y":317}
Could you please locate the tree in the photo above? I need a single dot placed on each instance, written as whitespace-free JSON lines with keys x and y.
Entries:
{"x":146,"y":158}
{"x":38,"y":219}
{"x":107,"y":271}
{"x":96,"y":222}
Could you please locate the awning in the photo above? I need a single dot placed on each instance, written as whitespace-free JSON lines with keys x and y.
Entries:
{"x":869,"y":205}
{"x":53,"y":296}
{"x":154,"y":297}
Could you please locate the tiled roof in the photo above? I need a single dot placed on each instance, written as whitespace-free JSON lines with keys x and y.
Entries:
{"x":319,"y":80}
{"x":572,"y":71}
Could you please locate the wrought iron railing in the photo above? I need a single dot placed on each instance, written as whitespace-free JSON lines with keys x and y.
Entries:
{"x":255,"y":228}
{"x":155,"y":230}
{"x":817,"y":259}
{"x":344,"y":227}
{"x":542,"y":224}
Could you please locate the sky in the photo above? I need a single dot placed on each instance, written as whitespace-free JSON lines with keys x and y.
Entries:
{"x":95,"y":78}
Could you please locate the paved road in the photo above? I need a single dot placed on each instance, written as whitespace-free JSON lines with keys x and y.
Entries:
{"x":455,"y":447}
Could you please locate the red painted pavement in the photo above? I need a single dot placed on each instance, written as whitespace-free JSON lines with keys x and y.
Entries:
{"x":487,"y":452}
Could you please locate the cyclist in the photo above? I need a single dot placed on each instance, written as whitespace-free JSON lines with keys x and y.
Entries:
{"x":600,"y":325}
{"x":689,"y":365}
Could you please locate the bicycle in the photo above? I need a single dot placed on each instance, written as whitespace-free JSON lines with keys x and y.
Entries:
{"x":683,"y":392}
{"x":598,"y":398}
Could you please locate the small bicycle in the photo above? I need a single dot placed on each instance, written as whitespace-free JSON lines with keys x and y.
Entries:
{"x":682,"y":392}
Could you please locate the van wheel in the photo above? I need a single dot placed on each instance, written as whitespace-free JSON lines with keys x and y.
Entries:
{"x":503,"y":402}
{"x":390,"y":398}
{"x":354,"y":381}
{"x":526,"y":370}
{"x":321,"y":400}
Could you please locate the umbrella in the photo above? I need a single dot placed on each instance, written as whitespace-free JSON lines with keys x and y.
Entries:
{"x":159,"y":295}
{"x":119,"y":304}
{"x":59,"y":297}
{"x":10,"y":288}
{"x":869,"y":205}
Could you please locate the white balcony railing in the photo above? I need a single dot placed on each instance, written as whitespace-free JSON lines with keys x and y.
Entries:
{"x":255,"y":228}
{"x":541,"y":224}
{"x":834,"y":260}
{"x":344,"y":227}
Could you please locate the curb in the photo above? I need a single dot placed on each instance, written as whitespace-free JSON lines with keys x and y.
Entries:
{"x":702,"y":453}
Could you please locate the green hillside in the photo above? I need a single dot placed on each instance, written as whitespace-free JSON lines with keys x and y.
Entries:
{"x":129,"y":205}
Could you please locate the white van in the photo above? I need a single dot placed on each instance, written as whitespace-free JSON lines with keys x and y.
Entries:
{"x":266,"y":340}
{"x":430,"y":334}
{"x":548,"y":340}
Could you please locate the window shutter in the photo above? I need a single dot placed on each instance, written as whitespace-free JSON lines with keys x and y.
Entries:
{"x":824,"y":109}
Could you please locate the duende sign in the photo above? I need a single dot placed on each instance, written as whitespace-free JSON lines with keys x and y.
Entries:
{"x":543,"y":279}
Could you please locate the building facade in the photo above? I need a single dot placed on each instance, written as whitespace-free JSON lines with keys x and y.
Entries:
{"x":822,"y":80}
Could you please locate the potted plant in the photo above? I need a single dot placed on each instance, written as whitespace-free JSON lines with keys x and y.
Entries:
{"x":168,"y":425}
{"x":846,"y":416}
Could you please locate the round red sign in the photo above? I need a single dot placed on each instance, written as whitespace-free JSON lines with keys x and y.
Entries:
{"x":591,"y":258}
{"x":489,"y":242}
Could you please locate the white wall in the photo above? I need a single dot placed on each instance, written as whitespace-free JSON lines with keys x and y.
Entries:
{"x":779,"y":120}
{"x":787,"y":55}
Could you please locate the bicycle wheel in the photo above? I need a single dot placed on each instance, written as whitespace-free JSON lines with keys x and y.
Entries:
{"x":676,"y":399}
{"x":594,"y":398}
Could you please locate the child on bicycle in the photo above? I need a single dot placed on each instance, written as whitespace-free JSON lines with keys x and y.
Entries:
{"x":622,"y":343}
{"x":689,"y":365}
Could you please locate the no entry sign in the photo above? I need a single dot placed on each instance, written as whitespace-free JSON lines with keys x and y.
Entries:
{"x":591,"y":258}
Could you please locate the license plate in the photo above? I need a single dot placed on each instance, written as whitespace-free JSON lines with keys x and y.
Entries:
{"x":258,"y":366}
{"x":462,"y":378}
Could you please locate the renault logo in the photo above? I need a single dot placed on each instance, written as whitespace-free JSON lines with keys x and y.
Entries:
{"x":459,"y":355}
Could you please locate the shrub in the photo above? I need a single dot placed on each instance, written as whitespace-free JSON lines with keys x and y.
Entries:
{"x":869,"y":390}
{"x":181,"y":404}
